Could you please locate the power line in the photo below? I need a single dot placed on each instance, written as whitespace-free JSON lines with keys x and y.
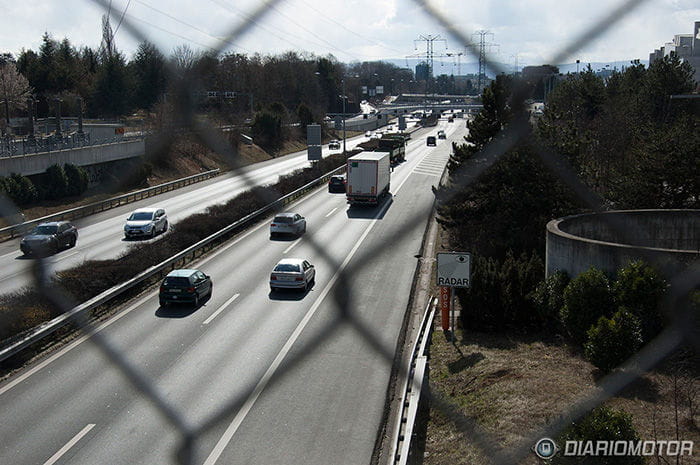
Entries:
{"x":331,"y":19}
{"x":122,"y":18}
{"x":188,"y":24}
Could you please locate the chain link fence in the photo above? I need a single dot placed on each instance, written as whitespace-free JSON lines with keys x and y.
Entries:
{"x":677,"y":305}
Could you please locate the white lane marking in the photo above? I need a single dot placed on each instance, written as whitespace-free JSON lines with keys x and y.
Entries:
{"x":331,"y":212}
{"x":65,"y":350}
{"x":291,"y":246}
{"x":262,"y":384}
{"x":67,"y":256}
{"x":70,"y":444}
{"x":220,"y":309}
{"x":16,"y":252}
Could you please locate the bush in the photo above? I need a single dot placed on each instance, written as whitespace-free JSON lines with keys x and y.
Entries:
{"x":586,"y":298}
{"x":548,"y":297}
{"x":640,"y":289}
{"x":601,"y":424}
{"x":55,"y":185}
{"x":21,"y":189}
{"x":501,"y":293}
{"x":77,"y":179}
{"x":612,"y":341}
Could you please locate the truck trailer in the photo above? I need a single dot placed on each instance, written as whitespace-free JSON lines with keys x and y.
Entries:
{"x":394,"y":144}
{"x":368,"y":175}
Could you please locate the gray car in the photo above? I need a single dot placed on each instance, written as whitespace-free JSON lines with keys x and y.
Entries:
{"x":288,"y":223}
{"x":49,"y":238}
{"x":146,"y":222}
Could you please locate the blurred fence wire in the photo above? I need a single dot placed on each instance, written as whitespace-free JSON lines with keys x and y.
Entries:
{"x":677,"y":305}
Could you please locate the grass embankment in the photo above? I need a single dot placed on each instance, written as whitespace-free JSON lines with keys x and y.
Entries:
{"x":512,"y":384}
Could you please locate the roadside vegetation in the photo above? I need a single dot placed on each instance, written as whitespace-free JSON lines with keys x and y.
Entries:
{"x":528,"y":348}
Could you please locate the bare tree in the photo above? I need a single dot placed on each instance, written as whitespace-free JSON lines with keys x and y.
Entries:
{"x":14,"y":89}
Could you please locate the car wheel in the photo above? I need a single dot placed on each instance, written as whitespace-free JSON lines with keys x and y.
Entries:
{"x":72,"y":241}
{"x":304,"y":230}
{"x":211,"y":290}
{"x":196,"y":300}
{"x":153,"y":232}
{"x":165,"y":227}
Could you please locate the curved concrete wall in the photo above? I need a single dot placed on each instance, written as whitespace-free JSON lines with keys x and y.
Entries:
{"x":610,"y":240}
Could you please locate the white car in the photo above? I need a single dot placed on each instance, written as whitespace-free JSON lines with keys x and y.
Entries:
{"x":288,"y":223}
{"x":292,"y":273}
{"x":146,"y":222}
{"x":334,"y":145}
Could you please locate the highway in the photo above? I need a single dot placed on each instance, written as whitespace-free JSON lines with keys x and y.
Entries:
{"x":301,"y":380}
{"x":101,"y":236}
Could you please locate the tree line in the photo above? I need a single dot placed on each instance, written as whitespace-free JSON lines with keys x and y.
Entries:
{"x":112,"y":85}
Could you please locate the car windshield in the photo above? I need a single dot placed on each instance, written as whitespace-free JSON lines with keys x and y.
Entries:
{"x":141,"y":216}
{"x":45,"y":230}
{"x":284,"y":219}
{"x":287,"y":267}
{"x":176,"y":281}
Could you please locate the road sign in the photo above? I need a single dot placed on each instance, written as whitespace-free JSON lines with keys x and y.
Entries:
{"x":314,"y":152}
{"x":454,"y":269}
{"x":313,"y":134}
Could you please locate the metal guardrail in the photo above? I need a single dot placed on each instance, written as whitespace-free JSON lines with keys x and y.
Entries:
{"x":102,"y":205}
{"x":48,"y":328}
{"x":410,"y":397}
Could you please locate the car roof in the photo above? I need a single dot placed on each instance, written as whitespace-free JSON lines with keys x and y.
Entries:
{"x":184,"y":273}
{"x":53,"y":223}
{"x":290,"y":261}
{"x":146,"y":210}
{"x":287,"y":214}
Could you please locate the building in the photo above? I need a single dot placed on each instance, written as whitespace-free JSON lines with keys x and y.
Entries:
{"x":422,"y":71}
{"x":685,"y":46}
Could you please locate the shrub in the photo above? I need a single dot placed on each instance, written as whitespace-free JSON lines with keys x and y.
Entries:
{"x":640,"y":288}
{"x":55,"y":185}
{"x":21,"y":189}
{"x":612,"y":341}
{"x":601,"y":424}
{"x":586,"y":298}
{"x":548,"y":298}
{"x":77,"y":179}
{"x":501,"y":293}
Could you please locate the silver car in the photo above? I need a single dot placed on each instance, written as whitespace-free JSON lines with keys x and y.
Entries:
{"x":288,"y":223}
{"x":146,"y":222}
{"x":292,"y":273}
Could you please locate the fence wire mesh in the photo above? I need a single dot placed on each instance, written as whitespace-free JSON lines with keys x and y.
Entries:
{"x":680,"y":332}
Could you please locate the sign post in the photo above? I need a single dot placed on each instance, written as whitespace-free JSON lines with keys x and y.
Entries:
{"x":453,"y":270}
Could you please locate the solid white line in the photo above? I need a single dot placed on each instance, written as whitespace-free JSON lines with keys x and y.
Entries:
{"x":220,"y":309}
{"x":291,"y":246}
{"x":331,"y":212}
{"x":65,"y":350}
{"x":70,"y":444}
{"x":16,"y":252}
{"x":248,"y":405}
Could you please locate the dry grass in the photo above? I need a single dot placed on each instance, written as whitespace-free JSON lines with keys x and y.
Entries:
{"x":511,"y":384}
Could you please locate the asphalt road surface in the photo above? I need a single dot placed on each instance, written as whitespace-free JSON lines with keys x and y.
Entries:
{"x":259,"y":377}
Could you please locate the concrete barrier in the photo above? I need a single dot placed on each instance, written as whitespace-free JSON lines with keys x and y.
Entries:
{"x":82,"y":156}
{"x":671,"y":238}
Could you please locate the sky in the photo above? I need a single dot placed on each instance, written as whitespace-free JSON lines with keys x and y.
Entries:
{"x":526,"y":32}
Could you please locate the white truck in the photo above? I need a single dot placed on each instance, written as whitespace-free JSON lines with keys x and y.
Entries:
{"x":368,"y":175}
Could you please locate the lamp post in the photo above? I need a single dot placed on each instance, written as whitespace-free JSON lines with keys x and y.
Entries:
{"x":344,"y":97}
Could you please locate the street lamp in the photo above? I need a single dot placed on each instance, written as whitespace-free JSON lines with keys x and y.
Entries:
{"x":344,"y":97}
